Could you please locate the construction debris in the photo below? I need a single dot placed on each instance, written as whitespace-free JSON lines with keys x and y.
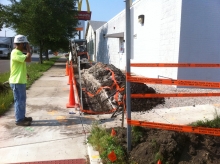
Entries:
{"x":104,"y":86}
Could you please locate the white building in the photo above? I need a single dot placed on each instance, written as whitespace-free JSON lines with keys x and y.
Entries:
{"x":174,"y":31}
{"x":90,"y":36}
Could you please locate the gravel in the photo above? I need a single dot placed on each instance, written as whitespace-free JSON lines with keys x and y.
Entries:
{"x":185,"y":101}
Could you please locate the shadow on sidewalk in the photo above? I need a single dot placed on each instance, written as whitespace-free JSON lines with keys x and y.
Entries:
{"x":56,"y":122}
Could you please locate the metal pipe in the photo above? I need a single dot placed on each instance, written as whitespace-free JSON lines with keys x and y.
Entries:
{"x":80,"y":82}
{"x":128,"y":56}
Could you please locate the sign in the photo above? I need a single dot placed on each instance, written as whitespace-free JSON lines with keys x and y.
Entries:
{"x":84,"y":15}
{"x":80,"y":25}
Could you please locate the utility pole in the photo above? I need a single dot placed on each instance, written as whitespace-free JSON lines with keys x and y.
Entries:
{"x":128,"y":57}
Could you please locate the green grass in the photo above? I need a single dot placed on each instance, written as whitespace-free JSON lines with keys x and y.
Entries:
{"x":103,"y":142}
{"x":215,"y":123}
{"x":137,"y":133}
{"x":35,"y":70}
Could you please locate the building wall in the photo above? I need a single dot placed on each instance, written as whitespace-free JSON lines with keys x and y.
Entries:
{"x":108,"y":49}
{"x":157,"y":39}
{"x":174,"y":31}
{"x":90,"y":42}
{"x":154,"y":41}
{"x":200,"y":39}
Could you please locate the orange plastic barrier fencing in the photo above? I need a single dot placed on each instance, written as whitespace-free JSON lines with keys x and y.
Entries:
{"x":118,"y":88}
{"x":156,"y":95}
{"x":216,"y":65}
{"x":203,"y":84}
{"x":179,"y":128}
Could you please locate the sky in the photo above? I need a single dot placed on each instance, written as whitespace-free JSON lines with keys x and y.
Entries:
{"x":102,"y":10}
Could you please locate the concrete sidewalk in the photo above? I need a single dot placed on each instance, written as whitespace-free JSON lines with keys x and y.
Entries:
{"x":57,"y":135}
{"x":54,"y":134}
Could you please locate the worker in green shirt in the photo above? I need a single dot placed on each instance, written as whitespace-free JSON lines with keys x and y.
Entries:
{"x":18,"y":78}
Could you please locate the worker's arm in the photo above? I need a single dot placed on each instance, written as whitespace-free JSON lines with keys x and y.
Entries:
{"x":28,"y":58}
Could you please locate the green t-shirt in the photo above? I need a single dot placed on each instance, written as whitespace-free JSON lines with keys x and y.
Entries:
{"x":18,"y":74}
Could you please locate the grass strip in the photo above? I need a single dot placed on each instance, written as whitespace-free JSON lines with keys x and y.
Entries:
{"x":34,"y":70}
{"x":102,"y":141}
{"x":215,"y":123}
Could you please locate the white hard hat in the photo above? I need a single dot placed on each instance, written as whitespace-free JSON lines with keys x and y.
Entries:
{"x":20,"y":39}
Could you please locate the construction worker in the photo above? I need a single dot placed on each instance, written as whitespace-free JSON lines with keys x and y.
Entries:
{"x":18,"y":78}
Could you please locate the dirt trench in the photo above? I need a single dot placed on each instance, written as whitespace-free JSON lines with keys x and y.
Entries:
{"x":104,"y":89}
{"x":151,"y":145}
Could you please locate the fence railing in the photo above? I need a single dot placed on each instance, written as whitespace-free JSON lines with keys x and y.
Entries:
{"x":190,"y":83}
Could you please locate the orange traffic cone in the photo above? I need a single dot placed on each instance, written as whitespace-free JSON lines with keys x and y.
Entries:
{"x":159,"y":162}
{"x":72,"y":102}
{"x":113,"y":133}
{"x":67,"y":69}
{"x":70,"y":75}
{"x":73,"y":76}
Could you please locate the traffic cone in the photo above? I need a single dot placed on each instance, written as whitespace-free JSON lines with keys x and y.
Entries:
{"x":73,"y":76}
{"x":67,"y":69}
{"x":70,"y":75}
{"x":113,"y":133}
{"x":72,"y":103}
{"x":159,"y":162}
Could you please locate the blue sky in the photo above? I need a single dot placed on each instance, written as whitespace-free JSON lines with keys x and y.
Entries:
{"x":102,"y":10}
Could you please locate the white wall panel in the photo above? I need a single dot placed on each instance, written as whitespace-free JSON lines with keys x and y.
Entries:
{"x":173,"y":31}
{"x":200,"y":38}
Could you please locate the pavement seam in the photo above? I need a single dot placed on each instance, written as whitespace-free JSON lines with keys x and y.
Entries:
{"x":39,"y":142}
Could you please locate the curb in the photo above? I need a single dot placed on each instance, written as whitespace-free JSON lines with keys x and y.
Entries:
{"x":94,"y":157}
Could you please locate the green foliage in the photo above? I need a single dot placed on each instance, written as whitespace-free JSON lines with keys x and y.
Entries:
{"x":215,"y":123}
{"x":157,"y":157}
{"x":5,"y":99}
{"x":35,"y":70}
{"x":103,"y":142}
{"x":137,"y":133}
{"x":155,"y":146}
{"x":49,"y":24}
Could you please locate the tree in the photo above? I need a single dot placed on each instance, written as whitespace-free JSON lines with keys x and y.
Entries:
{"x":45,"y":22}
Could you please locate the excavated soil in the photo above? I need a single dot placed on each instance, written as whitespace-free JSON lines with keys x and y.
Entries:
{"x":103,"y":91}
{"x":150,"y":145}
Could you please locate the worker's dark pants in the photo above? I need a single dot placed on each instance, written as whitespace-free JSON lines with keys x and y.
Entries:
{"x":19,"y":92}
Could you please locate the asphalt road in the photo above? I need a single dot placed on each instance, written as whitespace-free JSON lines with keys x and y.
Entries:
{"x":5,"y":63}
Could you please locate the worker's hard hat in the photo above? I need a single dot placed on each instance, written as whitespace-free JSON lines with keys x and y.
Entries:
{"x":20,"y":39}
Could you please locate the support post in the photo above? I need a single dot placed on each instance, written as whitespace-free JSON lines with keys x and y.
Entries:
{"x":128,"y":57}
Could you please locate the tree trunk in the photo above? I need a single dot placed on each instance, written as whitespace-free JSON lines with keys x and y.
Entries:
{"x":47,"y":55}
{"x":41,"y":52}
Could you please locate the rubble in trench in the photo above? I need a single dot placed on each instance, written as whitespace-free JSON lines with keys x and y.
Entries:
{"x":103,"y":88}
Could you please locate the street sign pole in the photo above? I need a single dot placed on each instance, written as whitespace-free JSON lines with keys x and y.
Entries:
{"x":128,"y":57}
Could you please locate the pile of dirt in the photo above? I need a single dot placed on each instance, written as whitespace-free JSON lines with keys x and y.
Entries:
{"x":104,"y":90}
{"x":150,"y":145}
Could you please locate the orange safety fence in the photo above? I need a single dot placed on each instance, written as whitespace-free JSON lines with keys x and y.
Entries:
{"x":90,"y":111}
{"x":155,"y":95}
{"x":216,"y":65}
{"x":179,"y":128}
{"x":117,"y":87}
{"x":191,"y":83}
